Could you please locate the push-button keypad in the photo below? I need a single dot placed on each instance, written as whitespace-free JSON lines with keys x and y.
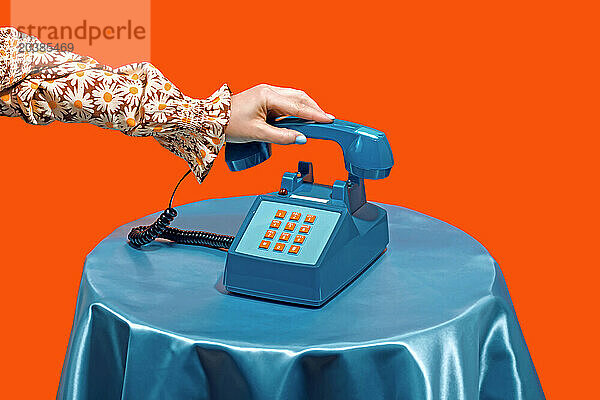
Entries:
{"x":288,"y":232}
{"x":289,"y":221}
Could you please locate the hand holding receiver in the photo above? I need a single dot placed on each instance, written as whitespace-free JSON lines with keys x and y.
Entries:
{"x":367,"y":152}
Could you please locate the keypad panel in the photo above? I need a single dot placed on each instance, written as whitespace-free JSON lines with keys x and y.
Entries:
{"x":292,"y":233}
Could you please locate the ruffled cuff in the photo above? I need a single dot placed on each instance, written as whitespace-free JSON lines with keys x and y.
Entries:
{"x":200,"y":132}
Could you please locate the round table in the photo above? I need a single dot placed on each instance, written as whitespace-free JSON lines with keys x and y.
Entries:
{"x":430,"y":319}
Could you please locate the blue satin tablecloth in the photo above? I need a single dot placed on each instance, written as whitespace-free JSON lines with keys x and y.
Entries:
{"x":431,"y":319}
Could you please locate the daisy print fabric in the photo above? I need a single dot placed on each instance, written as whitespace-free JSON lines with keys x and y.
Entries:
{"x":45,"y":86}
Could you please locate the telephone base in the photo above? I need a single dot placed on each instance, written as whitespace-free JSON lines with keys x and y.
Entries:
{"x":311,"y":302}
{"x":333,"y":249}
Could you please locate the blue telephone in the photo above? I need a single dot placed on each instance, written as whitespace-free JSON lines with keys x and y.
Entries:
{"x":306,"y":242}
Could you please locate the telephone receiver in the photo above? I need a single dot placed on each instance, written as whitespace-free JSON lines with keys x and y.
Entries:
{"x":367,"y":153}
{"x":305,"y":242}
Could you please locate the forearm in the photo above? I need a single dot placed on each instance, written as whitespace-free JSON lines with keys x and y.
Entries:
{"x":135,"y":99}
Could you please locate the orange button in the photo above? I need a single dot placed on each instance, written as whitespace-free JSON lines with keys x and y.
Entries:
{"x":299,"y":239}
{"x":279,"y":247}
{"x":264,"y":244}
{"x":275,"y":224}
{"x":294,"y":249}
{"x":295,"y":216}
{"x":304,"y":229}
{"x":284,"y":236}
{"x":280,"y":214}
{"x":310,"y":219}
{"x":270,"y":234}
{"x":290,"y":226}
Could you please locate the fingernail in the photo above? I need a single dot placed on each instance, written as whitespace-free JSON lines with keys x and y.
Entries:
{"x":330,"y":116}
{"x":300,"y":139}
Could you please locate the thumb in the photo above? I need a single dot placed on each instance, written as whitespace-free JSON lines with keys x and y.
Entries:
{"x":271,"y":134}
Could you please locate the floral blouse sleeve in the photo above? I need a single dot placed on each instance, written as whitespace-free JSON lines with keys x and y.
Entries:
{"x":45,"y":86}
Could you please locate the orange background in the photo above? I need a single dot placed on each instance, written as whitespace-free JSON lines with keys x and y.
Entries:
{"x":488,"y":107}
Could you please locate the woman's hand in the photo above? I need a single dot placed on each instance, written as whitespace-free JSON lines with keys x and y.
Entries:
{"x":250,"y":109}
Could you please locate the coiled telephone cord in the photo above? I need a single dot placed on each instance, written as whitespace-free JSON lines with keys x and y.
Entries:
{"x":142,"y":235}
